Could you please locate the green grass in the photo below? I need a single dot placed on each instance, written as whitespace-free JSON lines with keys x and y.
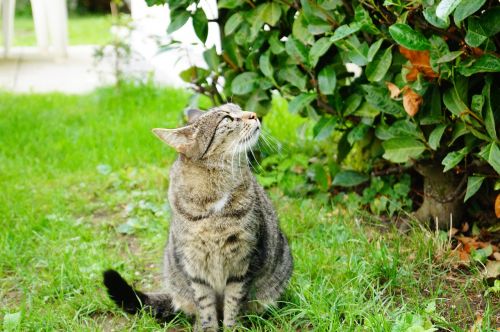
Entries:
{"x":82,"y":30}
{"x":84,"y":189}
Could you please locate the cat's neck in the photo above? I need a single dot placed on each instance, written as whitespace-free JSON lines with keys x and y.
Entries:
{"x":228,"y":165}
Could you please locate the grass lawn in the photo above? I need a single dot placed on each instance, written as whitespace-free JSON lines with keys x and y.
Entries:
{"x":82,"y":30}
{"x":83,"y":188}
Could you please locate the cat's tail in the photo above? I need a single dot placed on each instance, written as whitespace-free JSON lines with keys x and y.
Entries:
{"x":133,"y":301}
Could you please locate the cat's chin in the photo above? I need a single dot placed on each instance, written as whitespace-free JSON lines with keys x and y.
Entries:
{"x":249,"y":141}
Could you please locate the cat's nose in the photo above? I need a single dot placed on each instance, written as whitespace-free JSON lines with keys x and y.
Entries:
{"x":249,"y":116}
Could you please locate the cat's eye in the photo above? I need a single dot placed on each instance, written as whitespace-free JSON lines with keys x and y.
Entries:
{"x":227,"y":118}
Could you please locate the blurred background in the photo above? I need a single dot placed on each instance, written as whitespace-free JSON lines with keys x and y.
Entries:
{"x":78,"y":45}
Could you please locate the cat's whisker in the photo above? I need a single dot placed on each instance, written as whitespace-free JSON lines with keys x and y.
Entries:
{"x":255,"y":158}
{"x":271,"y":138}
{"x":270,"y":146}
{"x":279,"y":146}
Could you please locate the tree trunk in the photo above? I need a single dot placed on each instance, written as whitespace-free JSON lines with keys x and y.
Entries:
{"x":443,"y":194}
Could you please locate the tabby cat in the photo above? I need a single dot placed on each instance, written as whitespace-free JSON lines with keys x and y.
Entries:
{"x":226,"y":254}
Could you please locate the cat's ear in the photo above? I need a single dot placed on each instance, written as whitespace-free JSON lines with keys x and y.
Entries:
{"x":182,"y":139}
{"x":192,"y":114}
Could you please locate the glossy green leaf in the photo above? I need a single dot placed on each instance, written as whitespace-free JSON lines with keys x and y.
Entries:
{"x":405,"y":127}
{"x":459,"y":130}
{"x":352,"y":103}
{"x":453,"y":158}
{"x":354,"y":51}
{"x":277,"y":46}
{"x":343,"y":31}
{"x":296,"y":50}
{"x":404,"y":35}
{"x":233,"y":23}
{"x":374,"y":49}
{"x":300,"y":30}
{"x":177,"y":20}
{"x":430,"y":16}
{"x":324,"y":128}
{"x":357,"y":133}
{"x":294,"y":76}
{"x":232,"y":51}
{"x":343,"y":148}
{"x":349,"y":179}
{"x":194,"y":74}
{"x":230,"y":4}
{"x":487,"y":63}
{"x":212,"y":59}
{"x":466,"y":8}
{"x":379,"y":98}
{"x":449,"y":56}
{"x":318,"y":49}
{"x":265,"y":64}
{"x":489,"y":117}
{"x":299,"y":102}
{"x":491,"y":154}
{"x":402,"y":149}
{"x":327,"y":80}
{"x":446,"y":7}
{"x":270,"y":12}
{"x":489,"y":21}
{"x":435,"y":136}
{"x":475,"y":35}
{"x":473,"y":185}
{"x":200,"y":25}
{"x":376,"y":70}
{"x":477,"y":103}
{"x":363,"y":18}
{"x":453,"y":102}
{"x":244,"y":83}
{"x":367,"y":111}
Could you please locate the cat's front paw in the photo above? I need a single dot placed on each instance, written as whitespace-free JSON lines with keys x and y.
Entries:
{"x":200,"y":327}
{"x":231,"y":325}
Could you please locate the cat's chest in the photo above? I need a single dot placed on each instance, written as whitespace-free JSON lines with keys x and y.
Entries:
{"x":216,"y":253}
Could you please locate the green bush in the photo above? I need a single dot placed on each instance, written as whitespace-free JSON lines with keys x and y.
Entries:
{"x":428,"y":91}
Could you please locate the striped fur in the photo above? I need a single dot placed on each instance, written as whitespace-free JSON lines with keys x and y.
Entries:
{"x":226,"y":254}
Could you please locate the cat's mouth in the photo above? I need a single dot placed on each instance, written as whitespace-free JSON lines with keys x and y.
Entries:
{"x":252,"y":137}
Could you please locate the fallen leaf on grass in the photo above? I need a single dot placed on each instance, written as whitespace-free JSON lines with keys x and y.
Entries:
{"x":420,"y":61}
{"x":471,"y":243}
{"x":411,"y":101}
{"x":492,"y":270}
{"x":470,"y":248}
{"x":477,"y":327}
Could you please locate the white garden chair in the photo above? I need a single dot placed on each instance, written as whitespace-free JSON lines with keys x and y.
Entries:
{"x":51,"y":25}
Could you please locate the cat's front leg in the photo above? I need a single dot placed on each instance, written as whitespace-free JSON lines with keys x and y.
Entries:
{"x":206,"y":303}
{"x":234,"y":295}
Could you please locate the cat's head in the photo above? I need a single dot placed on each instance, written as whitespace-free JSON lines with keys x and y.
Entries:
{"x":222,"y":131}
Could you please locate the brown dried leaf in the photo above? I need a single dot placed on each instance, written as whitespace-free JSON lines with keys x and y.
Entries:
{"x":393,"y":89}
{"x":497,"y":206}
{"x":411,"y":101}
{"x":496,"y":255}
{"x":453,"y":231}
{"x":492,"y":269}
{"x":470,"y":243}
{"x":420,"y":61}
{"x":465,"y":227}
{"x":477,"y":327}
